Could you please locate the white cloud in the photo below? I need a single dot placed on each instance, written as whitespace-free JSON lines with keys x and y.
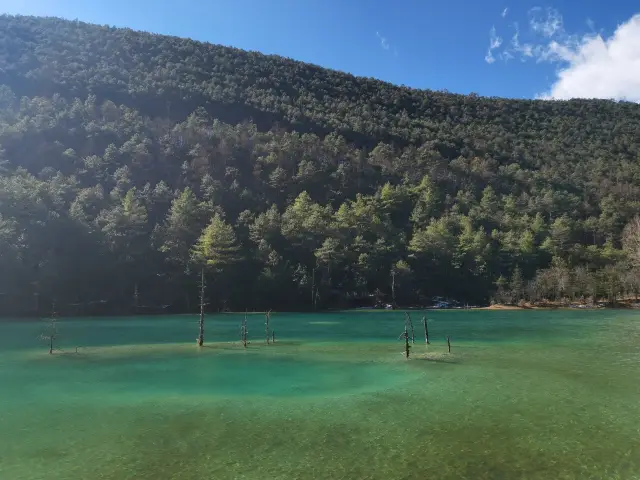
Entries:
{"x":600,"y":67}
{"x":384,"y":43}
{"x":505,"y":11}
{"x":590,"y":65}
{"x":494,"y":42}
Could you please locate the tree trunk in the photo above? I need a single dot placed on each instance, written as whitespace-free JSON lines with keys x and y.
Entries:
{"x":406,"y":342}
{"x":136,"y":297}
{"x":266,"y":325}
{"x":426,"y":329}
{"x":408,"y":320}
{"x":313,"y":288}
{"x":201,"y":323}
{"x":449,"y":343}
{"x":393,"y":288}
{"x":243,"y":331}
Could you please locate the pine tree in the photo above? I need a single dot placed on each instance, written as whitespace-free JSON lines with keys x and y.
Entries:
{"x":216,"y":248}
{"x":517,"y":285}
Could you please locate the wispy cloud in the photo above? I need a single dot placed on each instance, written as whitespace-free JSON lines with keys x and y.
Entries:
{"x":546,"y":21}
{"x":384,"y":43}
{"x":590,"y":65}
{"x":505,"y":11}
{"x":517,"y":49}
{"x":494,"y":42}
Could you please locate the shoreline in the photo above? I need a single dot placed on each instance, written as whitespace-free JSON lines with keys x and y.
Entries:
{"x":495,"y":307}
{"x":618,"y":306}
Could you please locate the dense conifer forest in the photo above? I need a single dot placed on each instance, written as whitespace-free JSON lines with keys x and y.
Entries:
{"x":130,"y":161}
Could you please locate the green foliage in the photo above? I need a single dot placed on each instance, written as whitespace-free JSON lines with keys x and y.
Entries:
{"x":117,"y":148}
{"x":124,"y":227}
{"x":181,"y":228}
{"x":217,"y":246}
{"x":437,"y":241}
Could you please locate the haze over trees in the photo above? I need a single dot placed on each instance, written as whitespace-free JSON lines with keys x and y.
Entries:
{"x":129,"y":161}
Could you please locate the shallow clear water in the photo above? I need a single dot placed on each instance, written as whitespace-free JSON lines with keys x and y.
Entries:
{"x":534,"y":395}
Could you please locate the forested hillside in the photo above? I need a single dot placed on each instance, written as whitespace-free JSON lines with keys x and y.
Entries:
{"x":129,"y":160}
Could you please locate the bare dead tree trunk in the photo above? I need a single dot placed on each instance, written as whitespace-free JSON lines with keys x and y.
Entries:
{"x":393,"y":287}
{"x":136,"y":297}
{"x":315,"y":298}
{"x":267,"y":316}
{"x":313,"y":288}
{"x":243,"y":331}
{"x":426,"y":329}
{"x":406,"y":342}
{"x":410,"y":323}
{"x":201,"y":323}
{"x":405,"y":335}
{"x":52,"y":330}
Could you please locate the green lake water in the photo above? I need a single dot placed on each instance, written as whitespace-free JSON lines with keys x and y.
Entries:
{"x":523,"y":394}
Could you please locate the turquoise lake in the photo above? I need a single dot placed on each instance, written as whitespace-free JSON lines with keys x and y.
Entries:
{"x":523,"y":394}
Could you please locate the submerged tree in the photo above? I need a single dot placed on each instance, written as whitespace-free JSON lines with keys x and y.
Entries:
{"x":267,"y":317}
{"x":426,"y":329}
{"x":409,"y":323}
{"x":244,"y":331}
{"x":51,"y":331}
{"x":216,"y":248}
{"x":202,"y":304}
{"x":405,"y":335}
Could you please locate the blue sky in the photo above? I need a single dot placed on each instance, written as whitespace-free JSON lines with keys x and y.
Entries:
{"x":563,"y":49}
